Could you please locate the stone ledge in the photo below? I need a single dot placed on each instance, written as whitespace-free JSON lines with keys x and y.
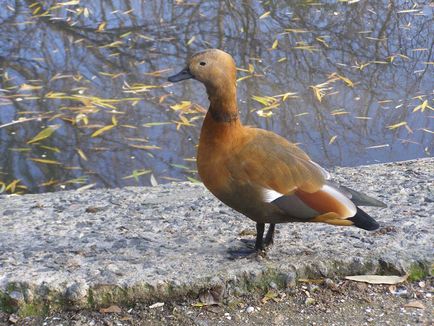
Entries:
{"x":88,"y":249}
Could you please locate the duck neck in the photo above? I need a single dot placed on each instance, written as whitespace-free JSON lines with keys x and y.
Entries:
{"x":223,"y":105}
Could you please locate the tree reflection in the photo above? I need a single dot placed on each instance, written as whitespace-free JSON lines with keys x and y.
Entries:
{"x":100,"y":48}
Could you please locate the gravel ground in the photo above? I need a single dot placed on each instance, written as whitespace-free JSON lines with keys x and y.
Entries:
{"x":72,"y":249}
{"x":312,"y":302}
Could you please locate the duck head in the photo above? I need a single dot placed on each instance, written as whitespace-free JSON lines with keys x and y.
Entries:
{"x":214,"y":68}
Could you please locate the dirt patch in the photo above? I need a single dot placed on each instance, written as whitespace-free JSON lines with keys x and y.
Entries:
{"x":310,"y":302}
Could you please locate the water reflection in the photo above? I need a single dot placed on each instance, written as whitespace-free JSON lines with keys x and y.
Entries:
{"x":358,"y":71}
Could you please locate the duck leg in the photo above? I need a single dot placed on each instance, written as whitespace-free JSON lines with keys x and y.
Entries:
{"x":269,"y":238}
{"x":260,"y":248}
{"x":259,"y":245}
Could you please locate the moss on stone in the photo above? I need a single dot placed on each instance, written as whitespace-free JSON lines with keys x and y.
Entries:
{"x":417,"y":272}
{"x":7,"y":304}
{"x":33,"y":309}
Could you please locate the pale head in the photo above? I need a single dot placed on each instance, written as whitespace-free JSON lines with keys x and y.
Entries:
{"x":214,"y":68}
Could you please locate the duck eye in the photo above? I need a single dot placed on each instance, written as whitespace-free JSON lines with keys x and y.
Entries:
{"x":202,"y":63}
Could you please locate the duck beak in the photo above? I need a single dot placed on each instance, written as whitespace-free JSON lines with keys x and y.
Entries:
{"x":183,"y":74}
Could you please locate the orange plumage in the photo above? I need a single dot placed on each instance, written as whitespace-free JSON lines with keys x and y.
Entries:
{"x":257,"y":172}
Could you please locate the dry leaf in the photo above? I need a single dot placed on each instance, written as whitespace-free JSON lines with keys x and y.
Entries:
{"x":112,"y":309}
{"x":270,"y":295}
{"x":378,"y":279}
{"x":415,"y":304}
{"x":156,"y":305}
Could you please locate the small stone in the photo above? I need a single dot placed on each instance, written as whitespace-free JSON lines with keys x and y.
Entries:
{"x":13,"y":319}
{"x":17,"y":296}
{"x":76,"y":291}
{"x":273,"y":285}
{"x":329,"y":284}
{"x":250,"y":309}
{"x":291,"y":280}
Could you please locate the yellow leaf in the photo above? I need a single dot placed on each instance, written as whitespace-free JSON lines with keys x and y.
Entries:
{"x":101,"y":27}
{"x":69,"y":3}
{"x":53,"y":149}
{"x":265,"y":100}
{"x":332,"y":140}
{"x":343,"y":78}
{"x":47,"y":132}
{"x":12,"y":186}
{"x":146,"y":147}
{"x":265,"y":14}
{"x":284,"y":96}
{"x":181,"y":106}
{"x":41,"y":160}
{"x":422,"y":107}
{"x":338,"y":112}
{"x":136,"y":174}
{"x":27,"y":87}
{"x":193,"y":180}
{"x":242,"y":78}
{"x":377,"y":146}
{"x":275,"y":44}
{"x":125,"y":35}
{"x":81,"y":153}
{"x":397,"y":125}
{"x":153,"y":124}
{"x":296,"y":30}
{"x":48,"y":183}
{"x":318,"y":92}
{"x":102,"y":130}
{"x":191,"y":40}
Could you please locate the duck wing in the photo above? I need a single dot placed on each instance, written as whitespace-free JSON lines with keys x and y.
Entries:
{"x":286,"y":177}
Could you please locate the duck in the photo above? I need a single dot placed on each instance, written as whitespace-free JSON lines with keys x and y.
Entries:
{"x":259,"y":173}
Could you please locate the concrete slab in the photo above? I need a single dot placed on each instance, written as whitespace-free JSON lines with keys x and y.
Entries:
{"x":88,"y":249}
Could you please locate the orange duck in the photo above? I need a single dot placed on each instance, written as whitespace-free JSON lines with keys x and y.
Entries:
{"x":257,"y":172}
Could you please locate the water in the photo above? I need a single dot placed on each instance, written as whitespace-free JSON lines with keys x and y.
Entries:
{"x":369,"y":62}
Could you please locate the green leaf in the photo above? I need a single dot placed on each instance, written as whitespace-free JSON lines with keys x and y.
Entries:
{"x":47,"y":132}
{"x":136,"y":174}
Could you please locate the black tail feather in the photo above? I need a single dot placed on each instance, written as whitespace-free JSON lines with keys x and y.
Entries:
{"x":364,"y":221}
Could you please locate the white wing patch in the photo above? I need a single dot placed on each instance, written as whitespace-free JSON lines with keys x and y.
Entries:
{"x":290,"y":204}
{"x":268,"y":195}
